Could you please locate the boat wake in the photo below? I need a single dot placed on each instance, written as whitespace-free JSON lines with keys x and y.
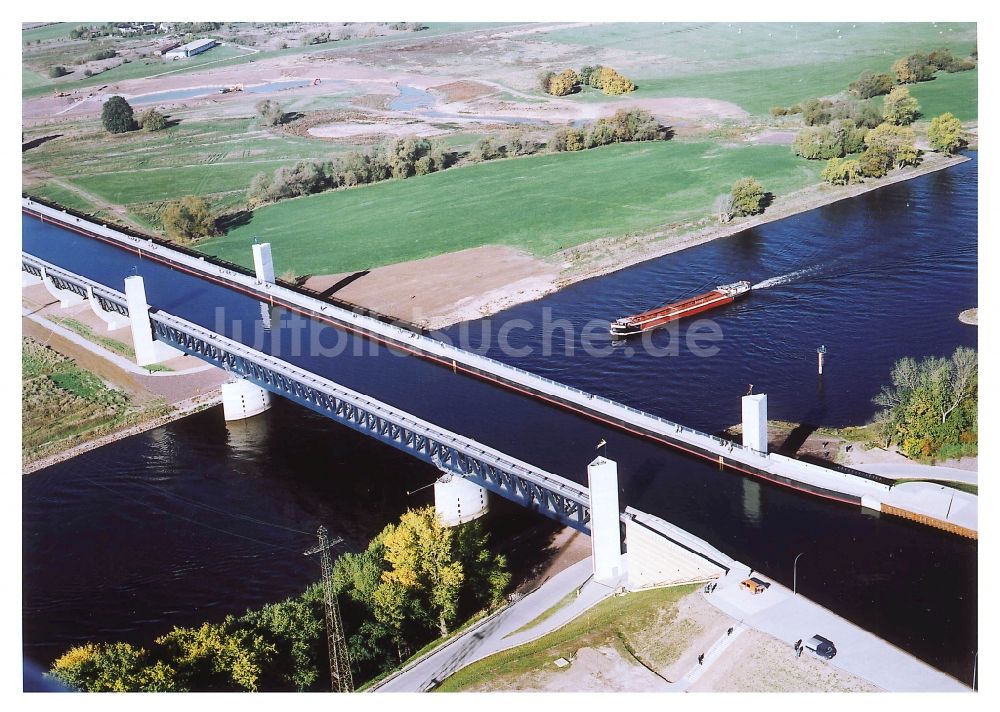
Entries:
{"x":786,"y":278}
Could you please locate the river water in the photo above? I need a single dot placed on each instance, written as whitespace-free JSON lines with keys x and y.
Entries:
{"x":198,"y":519}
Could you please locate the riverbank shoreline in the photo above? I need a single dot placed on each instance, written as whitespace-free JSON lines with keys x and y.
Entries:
{"x":439,"y":293}
{"x":181,"y":390}
{"x":178,"y":411}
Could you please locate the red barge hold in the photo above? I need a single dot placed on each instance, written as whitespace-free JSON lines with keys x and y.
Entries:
{"x":721,"y":295}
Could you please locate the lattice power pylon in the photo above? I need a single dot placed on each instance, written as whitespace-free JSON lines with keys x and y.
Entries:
{"x":340,"y":662}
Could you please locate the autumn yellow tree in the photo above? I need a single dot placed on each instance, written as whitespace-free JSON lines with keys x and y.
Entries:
{"x":563,"y":83}
{"x":945,"y":133}
{"x":425,"y":574}
{"x":611,"y":82}
{"x":187,"y":219}
{"x":900,"y":108}
{"x":896,"y":141}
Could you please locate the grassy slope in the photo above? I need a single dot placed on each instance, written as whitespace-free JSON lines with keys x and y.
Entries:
{"x":628,"y":620}
{"x":195,"y":157}
{"x":541,"y":204}
{"x":61,"y":401}
{"x":65,"y":198}
{"x":759,"y":65}
{"x":957,"y":93}
{"x":57,"y":30}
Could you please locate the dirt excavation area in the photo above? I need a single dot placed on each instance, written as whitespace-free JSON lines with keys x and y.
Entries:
{"x":435,"y":292}
{"x":663,"y":657}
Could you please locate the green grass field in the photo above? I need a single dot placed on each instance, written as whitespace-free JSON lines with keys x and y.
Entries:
{"x":626,"y":623}
{"x":57,"y":30}
{"x":957,"y":93}
{"x":760,"y":65}
{"x":540,"y":204}
{"x":65,"y":198}
{"x":62,"y":402}
{"x":214,"y":159}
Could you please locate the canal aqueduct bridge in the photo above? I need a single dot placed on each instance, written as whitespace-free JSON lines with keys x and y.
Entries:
{"x":464,"y":461}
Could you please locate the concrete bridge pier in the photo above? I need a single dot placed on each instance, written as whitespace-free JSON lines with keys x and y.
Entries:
{"x":242,"y":399}
{"x":66,"y":298}
{"x":113,"y":319}
{"x":263,"y":267}
{"x":457,"y":500}
{"x":755,"y":422}
{"x":263,"y":264}
{"x":147,"y":350}
{"x":605,"y":529}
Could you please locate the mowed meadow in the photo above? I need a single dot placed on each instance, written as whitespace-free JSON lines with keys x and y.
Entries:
{"x":760,"y":65}
{"x":540,"y":204}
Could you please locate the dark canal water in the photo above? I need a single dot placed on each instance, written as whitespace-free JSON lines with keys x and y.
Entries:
{"x":198,"y":519}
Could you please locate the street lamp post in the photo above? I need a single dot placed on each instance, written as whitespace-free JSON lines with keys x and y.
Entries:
{"x":795,"y":574}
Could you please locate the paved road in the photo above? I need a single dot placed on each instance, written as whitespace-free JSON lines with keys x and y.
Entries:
{"x":497,"y":632}
{"x":928,"y":472}
{"x":790,"y":618}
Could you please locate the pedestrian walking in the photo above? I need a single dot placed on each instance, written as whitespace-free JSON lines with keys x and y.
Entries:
{"x":701,"y":659}
{"x":798,"y":644}
{"x":729,"y":632}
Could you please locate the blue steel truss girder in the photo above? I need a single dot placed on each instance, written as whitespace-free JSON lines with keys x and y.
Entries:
{"x":108,"y":299}
{"x":543,"y":492}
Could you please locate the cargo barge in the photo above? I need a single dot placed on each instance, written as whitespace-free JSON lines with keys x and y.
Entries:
{"x":720,"y":296}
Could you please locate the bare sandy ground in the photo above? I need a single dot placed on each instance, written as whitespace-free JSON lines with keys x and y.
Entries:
{"x":472,"y":284}
{"x":445,"y":289}
{"x":756,"y":662}
{"x":351,"y":129}
{"x":669,"y":649}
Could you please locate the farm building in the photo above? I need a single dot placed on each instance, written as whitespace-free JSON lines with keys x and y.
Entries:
{"x":191,"y":49}
{"x":164,"y":48}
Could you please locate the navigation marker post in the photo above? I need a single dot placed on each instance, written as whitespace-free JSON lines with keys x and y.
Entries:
{"x":821,"y":356}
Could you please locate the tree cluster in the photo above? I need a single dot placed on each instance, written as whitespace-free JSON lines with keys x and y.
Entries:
{"x":608,"y":80}
{"x":871,"y":84}
{"x":58,"y":71}
{"x":413,"y":583}
{"x":831,"y":141}
{"x":188,"y":219}
{"x":919,"y":67}
{"x":885,"y":147}
{"x":397,"y":158}
{"x":930,"y":408}
{"x":626,"y":125}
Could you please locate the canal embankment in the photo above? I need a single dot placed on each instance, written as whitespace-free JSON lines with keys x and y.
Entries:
{"x":159,"y":396}
{"x":436,"y":292}
{"x":836,"y":483}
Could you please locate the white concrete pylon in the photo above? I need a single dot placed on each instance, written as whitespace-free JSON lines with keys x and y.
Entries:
{"x":243,"y":399}
{"x":458,"y":500}
{"x":755,"y":422}
{"x":605,"y":530}
{"x":147,"y":350}
{"x":263,"y":265}
{"x":113,"y":319}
